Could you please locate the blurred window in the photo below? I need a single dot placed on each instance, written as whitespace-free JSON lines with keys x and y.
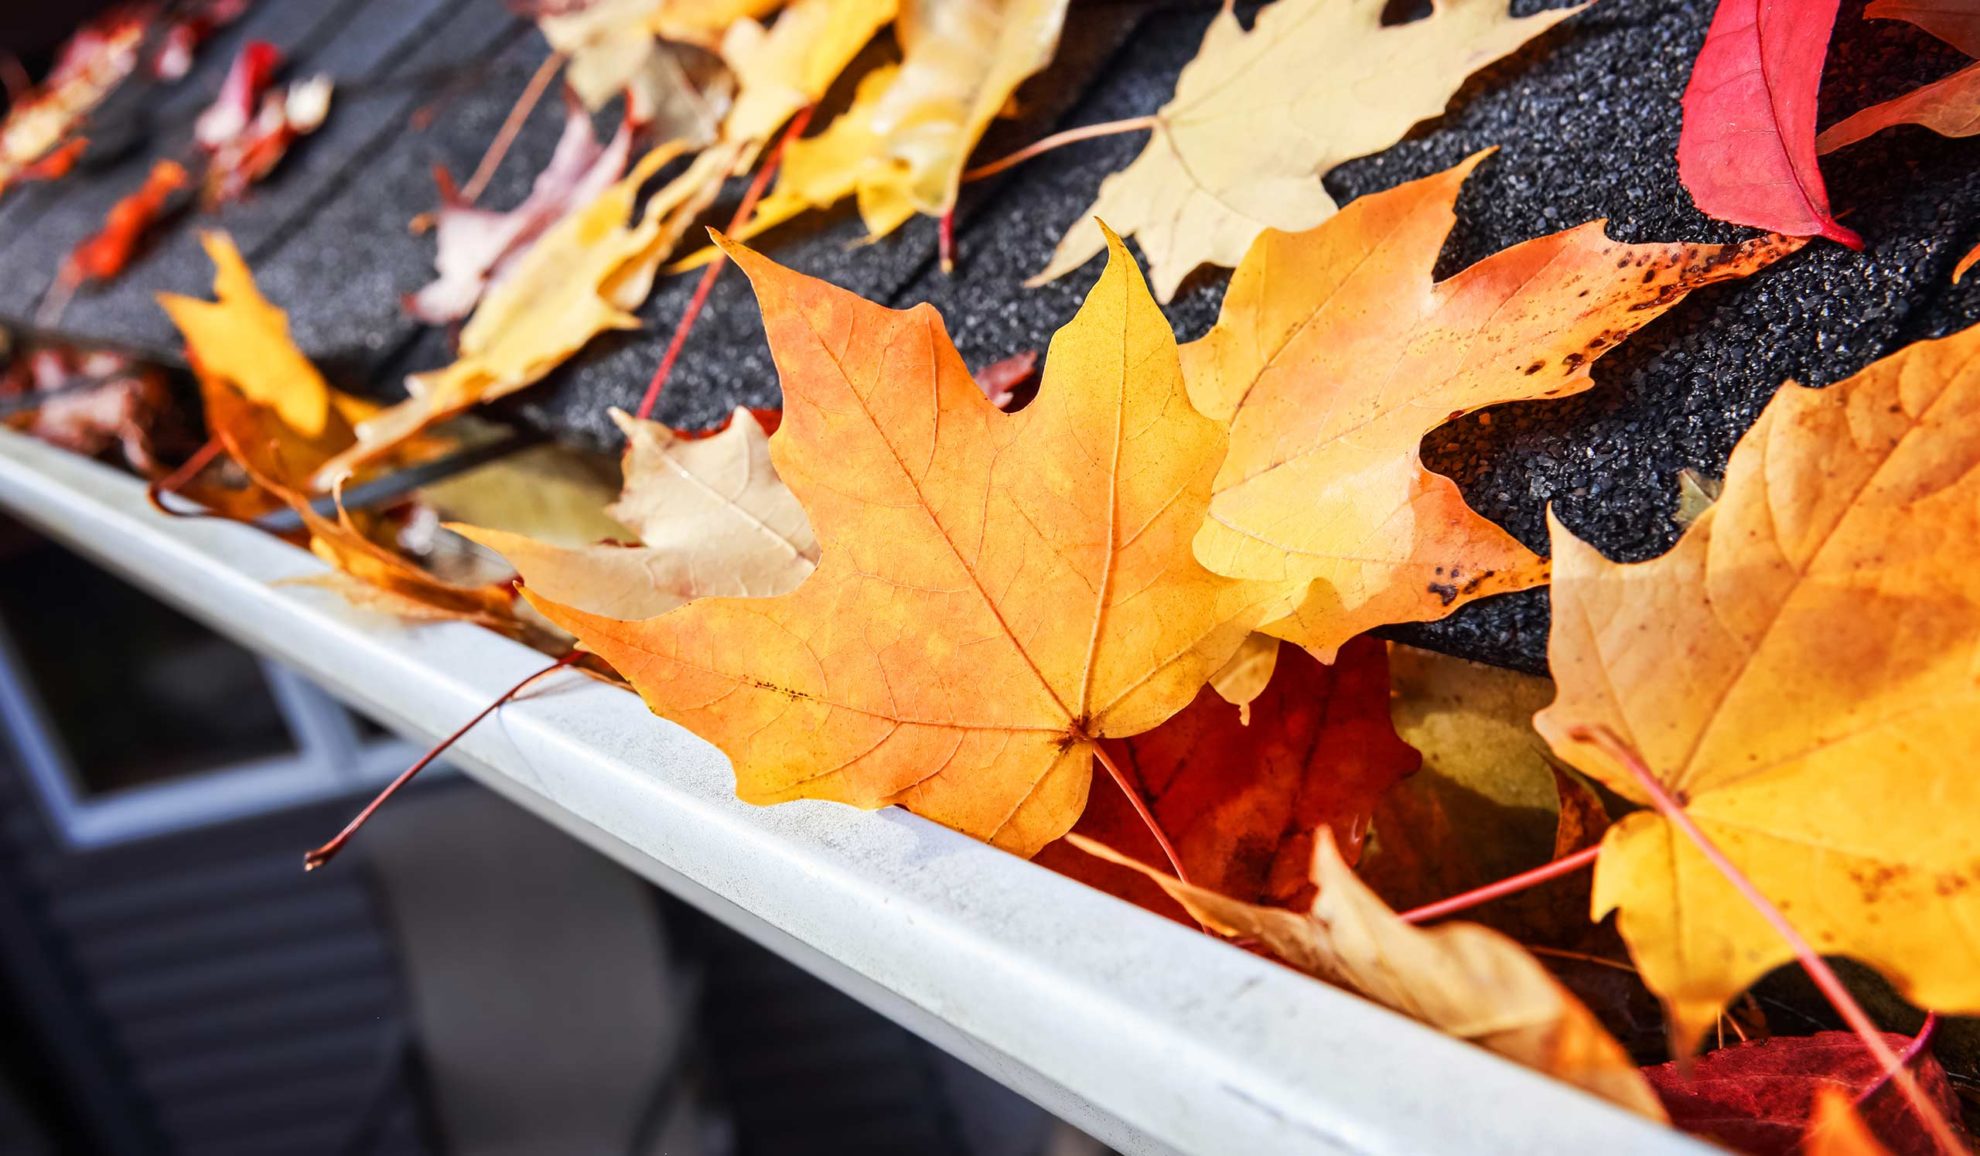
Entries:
{"x":132,"y":719}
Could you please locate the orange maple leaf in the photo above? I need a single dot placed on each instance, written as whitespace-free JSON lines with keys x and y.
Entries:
{"x":1336,"y":352}
{"x":995,"y":592}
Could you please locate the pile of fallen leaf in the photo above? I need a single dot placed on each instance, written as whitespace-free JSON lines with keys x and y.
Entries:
{"x":1118,"y":619}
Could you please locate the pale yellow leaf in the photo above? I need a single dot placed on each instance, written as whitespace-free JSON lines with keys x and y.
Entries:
{"x":1260,"y":116}
{"x":789,"y":66}
{"x":711,"y":516}
{"x":582,"y":277}
{"x":1460,"y":978}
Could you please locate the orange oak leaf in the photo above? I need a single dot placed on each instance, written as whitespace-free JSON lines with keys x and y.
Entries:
{"x":1460,"y":978}
{"x":1336,"y":352}
{"x":1241,"y":802}
{"x":995,"y":592}
{"x":1798,"y":672}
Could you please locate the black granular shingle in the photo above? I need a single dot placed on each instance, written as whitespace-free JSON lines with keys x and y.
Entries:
{"x":1586,"y":122}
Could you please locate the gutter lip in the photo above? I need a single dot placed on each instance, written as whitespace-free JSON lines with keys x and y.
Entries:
{"x":1151,"y":1037}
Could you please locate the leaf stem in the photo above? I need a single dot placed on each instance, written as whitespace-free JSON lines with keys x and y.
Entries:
{"x":1910,"y":1054}
{"x":1060,"y":140}
{"x":945,"y":238}
{"x":511,"y":127}
{"x":328,"y":851}
{"x":1818,"y":969}
{"x":1140,"y":805}
{"x":1512,"y":884}
{"x":715,"y":266}
{"x":187,"y":471}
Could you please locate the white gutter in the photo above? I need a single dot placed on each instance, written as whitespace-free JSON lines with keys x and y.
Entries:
{"x":1154,"y":1038}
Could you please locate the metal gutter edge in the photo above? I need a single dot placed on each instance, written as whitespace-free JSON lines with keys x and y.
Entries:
{"x":1153,"y":1038}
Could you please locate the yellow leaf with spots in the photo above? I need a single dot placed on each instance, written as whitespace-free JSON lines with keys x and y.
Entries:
{"x":1336,"y":353}
{"x":995,"y":592}
{"x":1799,"y":671}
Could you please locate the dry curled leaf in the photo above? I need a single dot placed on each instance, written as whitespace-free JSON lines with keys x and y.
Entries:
{"x":821,"y":170}
{"x":93,"y":62}
{"x":614,"y":46}
{"x":901,"y":145}
{"x":789,"y":66}
{"x":1241,"y":803}
{"x":257,"y":387}
{"x":1460,"y":978}
{"x":583,"y":276}
{"x":712,"y":518}
{"x":1336,"y":352}
{"x":995,"y":592}
{"x":1260,"y":116}
{"x":384,"y":580}
{"x":1798,"y":671}
{"x":1487,"y":803}
{"x":474,"y":246}
{"x":105,"y":253}
{"x":1957,"y":22}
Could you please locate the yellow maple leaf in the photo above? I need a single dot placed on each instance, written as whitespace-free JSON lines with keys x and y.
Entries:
{"x":256,"y":385}
{"x":790,"y":65}
{"x":821,"y":170}
{"x":995,"y":592}
{"x":1259,"y":117}
{"x":961,"y":60}
{"x":1460,"y":978}
{"x":1798,"y":671}
{"x":1336,"y":353}
{"x":711,"y":516}
{"x":582,"y":277}
{"x":900,"y":147}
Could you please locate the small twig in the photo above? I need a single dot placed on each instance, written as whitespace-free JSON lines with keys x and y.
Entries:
{"x":328,"y":851}
{"x":1818,"y":969}
{"x":1141,"y":808}
{"x":945,"y":238}
{"x":1565,"y":865}
{"x":511,"y":127}
{"x":1060,"y":140}
{"x":714,"y":268}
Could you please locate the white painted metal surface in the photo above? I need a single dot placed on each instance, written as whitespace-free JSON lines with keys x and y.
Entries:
{"x":1154,"y":1038}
